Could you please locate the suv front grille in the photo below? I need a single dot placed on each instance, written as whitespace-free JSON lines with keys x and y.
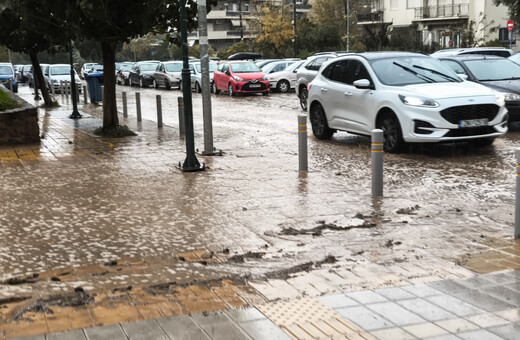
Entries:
{"x":457,"y":113}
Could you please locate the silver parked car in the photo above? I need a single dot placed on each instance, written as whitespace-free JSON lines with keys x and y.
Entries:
{"x":196,"y":75}
{"x":168,"y":74}
{"x":306,"y":74}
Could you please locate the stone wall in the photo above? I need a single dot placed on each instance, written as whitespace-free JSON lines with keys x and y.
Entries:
{"x":20,"y":125}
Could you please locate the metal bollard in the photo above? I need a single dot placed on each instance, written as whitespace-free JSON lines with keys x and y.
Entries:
{"x":53,"y":90}
{"x":302,"y":142}
{"x":102,"y":92}
{"x":517,"y":198}
{"x":10,"y":85}
{"x":180,"y":101}
{"x":84,"y":94}
{"x":62,"y":88}
{"x":159,"y":110}
{"x":77,"y":93}
{"x":67,"y":88}
{"x":377,"y":162}
{"x":138,"y":106}
{"x":125,"y":109}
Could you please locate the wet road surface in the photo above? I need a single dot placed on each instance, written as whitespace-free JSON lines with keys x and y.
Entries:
{"x":125,"y":201}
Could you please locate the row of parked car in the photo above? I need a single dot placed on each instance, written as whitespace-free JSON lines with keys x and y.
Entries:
{"x":449,"y":96}
{"x":230,"y":76}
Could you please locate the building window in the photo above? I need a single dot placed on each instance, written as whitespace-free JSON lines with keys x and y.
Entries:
{"x":226,"y":6}
{"x":394,"y":5}
{"x":246,"y":7}
{"x":503,"y":36}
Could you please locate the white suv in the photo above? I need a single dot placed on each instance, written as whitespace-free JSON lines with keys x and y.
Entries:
{"x":411,"y":97}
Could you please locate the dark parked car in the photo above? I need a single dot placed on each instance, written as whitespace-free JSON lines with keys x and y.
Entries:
{"x":24,"y":74}
{"x":498,"y":73}
{"x":142,"y":72}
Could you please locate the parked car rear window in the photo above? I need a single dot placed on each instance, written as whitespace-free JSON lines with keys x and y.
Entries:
{"x":244,"y":68}
{"x":493,"y":69}
{"x":212,"y":67}
{"x":147,"y":67}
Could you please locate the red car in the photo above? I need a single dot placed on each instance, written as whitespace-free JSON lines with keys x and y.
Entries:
{"x":239,"y":77}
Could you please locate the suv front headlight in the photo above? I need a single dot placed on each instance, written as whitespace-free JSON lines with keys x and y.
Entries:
{"x":511,"y":97}
{"x":418,"y":101}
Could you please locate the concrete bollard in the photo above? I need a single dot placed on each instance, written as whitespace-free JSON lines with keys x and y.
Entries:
{"x":517,"y":198}
{"x":138,"y":106}
{"x":377,"y":162}
{"x":125,"y":109}
{"x":159,"y":110}
{"x":102,"y":92}
{"x":302,"y":142}
{"x":84,"y":94}
{"x":180,"y":101}
{"x":67,"y":88}
{"x":53,"y":90}
{"x":62,"y":88}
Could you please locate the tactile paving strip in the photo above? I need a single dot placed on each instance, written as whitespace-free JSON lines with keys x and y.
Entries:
{"x":308,"y":318}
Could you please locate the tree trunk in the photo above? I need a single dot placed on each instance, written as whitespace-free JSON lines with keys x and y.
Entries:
{"x":110,"y":118}
{"x":42,"y":85}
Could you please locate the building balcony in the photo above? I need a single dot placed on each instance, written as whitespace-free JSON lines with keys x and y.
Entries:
{"x":236,"y":13}
{"x":370,"y":17}
{"x":442,"y":12}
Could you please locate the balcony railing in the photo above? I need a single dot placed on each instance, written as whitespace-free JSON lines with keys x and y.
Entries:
{"x":447,"y":11}
{"x":370,"y":17}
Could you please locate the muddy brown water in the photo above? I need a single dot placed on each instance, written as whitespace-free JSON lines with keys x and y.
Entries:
{"x":131,"y":205}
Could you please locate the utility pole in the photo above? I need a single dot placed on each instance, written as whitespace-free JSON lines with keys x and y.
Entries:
{"x":240,"y":16}
{"x":205,"y":81}
{"x":347,"y":12}
{"x":191,"y":163}
{"x":295,"y":49}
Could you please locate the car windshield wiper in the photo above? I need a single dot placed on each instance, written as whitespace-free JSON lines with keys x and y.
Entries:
{"x":417,"y":74}
{"x":450,"y":78}
{"x":512,"y":78}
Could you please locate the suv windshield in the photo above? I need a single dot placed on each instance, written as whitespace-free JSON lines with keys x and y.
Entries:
{"x":60,"y":70}
{"x":244,"y":68}
{"x":177,"y":67}
{"x":412,"y":70}
{"x":6,"y":70}
{"x":493,"y":69}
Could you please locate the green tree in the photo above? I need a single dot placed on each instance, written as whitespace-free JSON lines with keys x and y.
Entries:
{"x":118,"y":21}
{"x":29,"y":27}
{"x":277,"y":30}
{"x":514,"y":9}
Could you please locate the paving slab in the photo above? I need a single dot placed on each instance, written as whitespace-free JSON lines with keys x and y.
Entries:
{"x":182,"y":327}
{"x":218,"y":326}
{"x":144,"y":330}
{"x":112,"y":332}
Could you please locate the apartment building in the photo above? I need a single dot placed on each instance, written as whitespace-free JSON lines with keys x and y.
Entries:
{"x":439,"y":22}
{"x":230,"y":21}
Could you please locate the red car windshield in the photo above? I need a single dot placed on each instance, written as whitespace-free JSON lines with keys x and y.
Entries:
{"x":244,"y":68}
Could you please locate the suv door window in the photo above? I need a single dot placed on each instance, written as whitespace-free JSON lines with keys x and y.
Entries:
{"x":346,"y":71}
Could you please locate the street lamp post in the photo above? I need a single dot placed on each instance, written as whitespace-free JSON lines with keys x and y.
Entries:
{"x":75,"y":113}
{"x":191,"y":164}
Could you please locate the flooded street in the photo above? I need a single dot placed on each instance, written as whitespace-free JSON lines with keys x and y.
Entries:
{"x":106,"y":214}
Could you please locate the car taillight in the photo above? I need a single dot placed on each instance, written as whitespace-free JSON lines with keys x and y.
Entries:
{"x":309,"y":85}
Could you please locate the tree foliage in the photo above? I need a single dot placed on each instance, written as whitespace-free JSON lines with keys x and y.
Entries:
{"x":277,"y":30}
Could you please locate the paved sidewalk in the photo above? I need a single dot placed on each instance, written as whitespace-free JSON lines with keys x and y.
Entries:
{"x":483,"y":307}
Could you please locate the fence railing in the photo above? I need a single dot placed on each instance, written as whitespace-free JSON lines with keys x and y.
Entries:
{"x":446,"y":11}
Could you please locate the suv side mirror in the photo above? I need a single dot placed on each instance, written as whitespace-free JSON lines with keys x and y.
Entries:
{"x":463,"y":76}
{"x":363,"y":84}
